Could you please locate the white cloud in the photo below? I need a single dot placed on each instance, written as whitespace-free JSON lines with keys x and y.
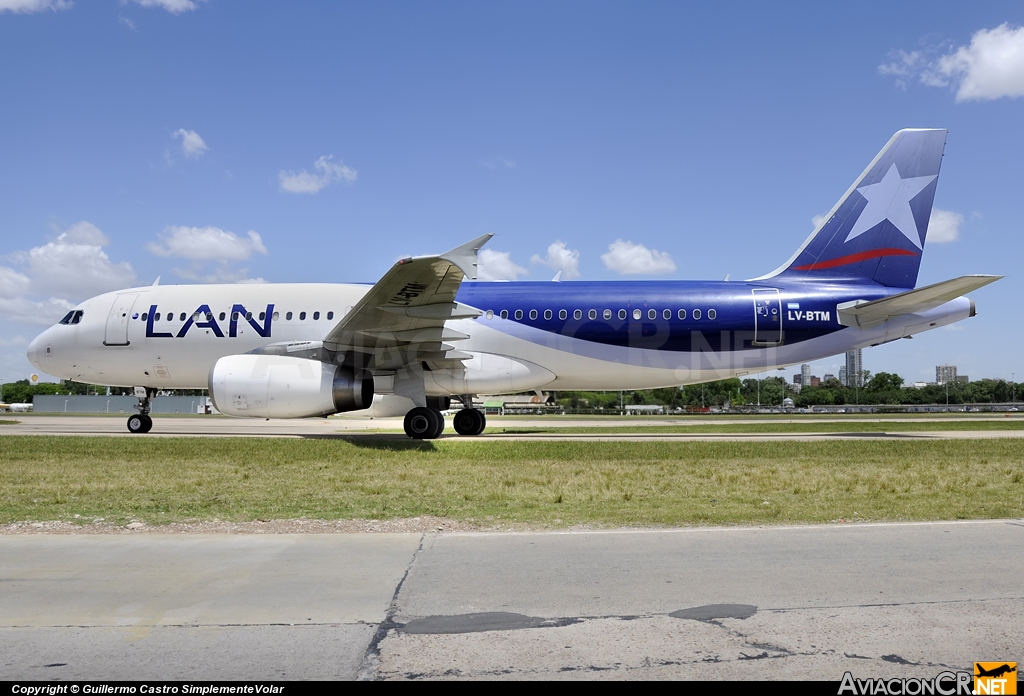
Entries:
{"x":172,"y":6}
{"x":990,"y":67}
{"x":817,"y":220}
{"x":628,"y":258}
{"x":192,"y":145}
{"x":223,"y":273}
{"x":36,"y":313}
{"x":497,"y":265}
{"x":206,"y":243}
{"x":561,"y":258}
{"x":72,"y":267}
{"x":28,"y":6}
{"x":75,"y":265}
{"x":944,"y":226}
{"x":13,"y":341}
{"x":307,"y":182}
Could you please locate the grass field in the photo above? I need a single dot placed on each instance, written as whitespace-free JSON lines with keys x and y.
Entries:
{"x":498,"y":483}
{"x":755,"y":428}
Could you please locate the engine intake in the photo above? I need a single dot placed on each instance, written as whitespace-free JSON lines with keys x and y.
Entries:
{"x":278,"y":386}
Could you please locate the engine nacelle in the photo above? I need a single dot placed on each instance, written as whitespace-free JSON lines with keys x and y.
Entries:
{"x":278,"y":386}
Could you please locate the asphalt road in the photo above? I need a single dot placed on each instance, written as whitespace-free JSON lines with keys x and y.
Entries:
{"x":750,"y":603}
{"x":353,"y":428}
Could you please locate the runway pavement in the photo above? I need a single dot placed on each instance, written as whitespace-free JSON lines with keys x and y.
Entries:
{"x":879,"y":600}
{"x":498,"y":428}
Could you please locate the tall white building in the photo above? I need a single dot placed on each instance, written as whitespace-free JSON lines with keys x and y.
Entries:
{"x":945,"y":373}
{"x":805,"y":375}
{"x":854,"y":368}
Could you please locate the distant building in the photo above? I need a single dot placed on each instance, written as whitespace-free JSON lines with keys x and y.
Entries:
{"x":842,"y":376}
{"x":945,"y":373}
{"x":854,"y":368}
{"x":805,"y":375}
{"x":815,"y":381}
{"x":963,"y":379}
{"x":796,"y":379}
{"x":828,"y":376}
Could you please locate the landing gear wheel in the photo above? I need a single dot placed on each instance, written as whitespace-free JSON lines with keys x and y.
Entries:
{"x":469,"y":421}
{"x":423,"y":423}
{"x":148,"y":423}
{"x":137,"y":423}
{"x":440,"y":425}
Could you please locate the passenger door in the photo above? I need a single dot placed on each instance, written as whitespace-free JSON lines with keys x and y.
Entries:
{"x":117,"y":320}
{"x":767,"y":317}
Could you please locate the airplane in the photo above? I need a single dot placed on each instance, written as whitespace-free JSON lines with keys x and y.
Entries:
{"x":428,"y":331}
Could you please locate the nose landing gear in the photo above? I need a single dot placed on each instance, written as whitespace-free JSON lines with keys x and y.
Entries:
{"x":142,"y":423}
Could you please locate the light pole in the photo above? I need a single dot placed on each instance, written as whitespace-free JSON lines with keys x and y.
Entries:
{"x":1013,"y":385}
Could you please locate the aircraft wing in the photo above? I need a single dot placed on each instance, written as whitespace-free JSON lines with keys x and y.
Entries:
{"x":402,"y":317}
{"x":862,"y":313}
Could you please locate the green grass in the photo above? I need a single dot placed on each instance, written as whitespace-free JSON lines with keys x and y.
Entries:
{"x":8,"y":422}
{"x":527,"y":483}
{"x":761,"y":428}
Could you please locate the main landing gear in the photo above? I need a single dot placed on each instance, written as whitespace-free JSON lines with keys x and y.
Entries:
{"x":141,"y":422}
{"x":424,"y":423}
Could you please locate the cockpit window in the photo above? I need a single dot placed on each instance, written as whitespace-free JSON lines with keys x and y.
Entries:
{"x":72,"y":317}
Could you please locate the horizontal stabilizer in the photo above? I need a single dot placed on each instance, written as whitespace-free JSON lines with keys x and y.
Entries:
{"x":863,"y":314}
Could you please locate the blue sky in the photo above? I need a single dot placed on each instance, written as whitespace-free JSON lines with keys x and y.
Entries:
{"x":227,"y":141}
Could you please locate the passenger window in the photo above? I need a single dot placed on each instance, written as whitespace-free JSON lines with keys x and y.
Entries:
{"x":234,"y":316}
{"x":145,"y":316}
{"x":519,"y":314}
{"x":221,"y":316}
{"x":156,"y":317}
{"x":276,"y":315}
{"x":712,"y":314}
{"x":637,"y":314}
{"x":316,"y":316}
{"x":263,"y":315}
{"x":547,"y":313}
{"x":622,"y":314}
{"x":607,"y":314}
{"x":504,"y":314}
{"x":652,"y":314}
{"x":592,"y":314}
{"x":489,"y":314}
{"x":330,"y":315}
{"x":182,"y":317}
{"x":681,"y":314}
{"x":533,"y":313}
{"x":562,"y":314}
{"x":288,"y":316}
{"x":577,"y":314}
{"x":696,"y":314}
{"x":302,"y":316}
{"x":667,"y":314}
{"x":248,"y":316}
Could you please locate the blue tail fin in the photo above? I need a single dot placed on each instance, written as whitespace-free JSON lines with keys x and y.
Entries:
{"x":876,"y":232}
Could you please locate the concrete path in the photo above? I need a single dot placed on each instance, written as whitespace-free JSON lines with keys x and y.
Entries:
{"x":748,"y":603}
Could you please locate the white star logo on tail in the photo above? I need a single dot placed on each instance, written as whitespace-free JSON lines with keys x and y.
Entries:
{"x":889,"y":199}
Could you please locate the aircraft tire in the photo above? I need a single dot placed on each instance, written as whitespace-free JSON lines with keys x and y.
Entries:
{"x":421,"y":423}
{"x":465,"y":421}
{"x":147,"y":424}
{"x":137,"y":424}
{"x":440,"y":424}
{"x":469,"y":421}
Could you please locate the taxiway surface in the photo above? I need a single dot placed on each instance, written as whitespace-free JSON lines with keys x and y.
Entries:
{"x":498,"y":428}
{"x":750,"y":603}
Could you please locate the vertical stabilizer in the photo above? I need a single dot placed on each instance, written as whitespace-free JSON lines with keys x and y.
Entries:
{"x":877,"y":230}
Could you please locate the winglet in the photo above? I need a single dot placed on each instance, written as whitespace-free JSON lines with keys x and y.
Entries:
{"x":465,"y":256}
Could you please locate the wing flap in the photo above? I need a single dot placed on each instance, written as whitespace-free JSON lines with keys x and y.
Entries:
{"x":861,"y":313}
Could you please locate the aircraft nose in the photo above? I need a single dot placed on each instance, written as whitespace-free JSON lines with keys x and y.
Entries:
{"x":33,"y":351}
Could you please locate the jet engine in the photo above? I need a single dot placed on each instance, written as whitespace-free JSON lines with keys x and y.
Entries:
{"x":278,"y":386}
